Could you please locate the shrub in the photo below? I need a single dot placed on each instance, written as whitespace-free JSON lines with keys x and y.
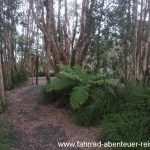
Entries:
{"x":19,"y":77}
{"x":3,"y":105}
{"x":49,"y":97}
{"x":137,"y":98}
{"x":103,"y":102}
{"x":132,"y":122}
{"x":80,"y":84}
{"x":41,"y":74}
{"x":122,"y":111}
{"x":4,"y":136}
{"x":126,"y":127}
{"x":52,"y":74}
{"x":92,"y":96}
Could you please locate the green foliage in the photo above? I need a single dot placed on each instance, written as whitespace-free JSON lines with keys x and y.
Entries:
{"x":41,"y":74}
{"x":52,"y":74}
{"x":103,"y":102}
{"x":4,"y":136}
{"x":132,"y":122}
{"x":54,"y":96}
{"x":137,"y":98}
{"x":126,"y":127}
{"x":80,"y":84}
{"x":123,"y":111}
{"x":19,"y":77}
{"x":89,"y":116}
{"x":59,"y":84}
{"x":93,"y":96}
{"x":76,"y":73}
{"x":3,"y":105}
{"x":79,"y":96}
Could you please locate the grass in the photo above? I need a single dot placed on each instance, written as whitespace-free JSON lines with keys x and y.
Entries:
{"x":4,"y":136}
{"x":132,"y":123}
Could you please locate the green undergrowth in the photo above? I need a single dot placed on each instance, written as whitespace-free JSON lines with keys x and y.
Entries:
{"x":4,"y":136}
{"x":132,"y":122}
{"x":121,"y":111}
{"x":19,"y":77}
{"x":3,"y":105}
{"x":8,"y":137}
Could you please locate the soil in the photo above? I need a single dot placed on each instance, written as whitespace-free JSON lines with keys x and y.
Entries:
{"x":41,"y":127}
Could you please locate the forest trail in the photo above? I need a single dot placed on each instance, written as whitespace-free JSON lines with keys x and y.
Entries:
{"x":38,"y":126}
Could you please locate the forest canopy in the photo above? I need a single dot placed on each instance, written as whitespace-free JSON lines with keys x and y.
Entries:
{"x":109,"y":37}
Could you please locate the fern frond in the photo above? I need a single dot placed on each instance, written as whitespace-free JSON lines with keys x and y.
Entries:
{"x":102,"y":81}
{"x":97,"y":94}
{"x":110,"y":91}
{"x":76,"y":73}
{"x":78,"y":70}
{"x":71,"y":75}
{"x":64,"y":67}
{"x":59,"y":84}
{"x":79,"y":96}
{"x":111,"y":82}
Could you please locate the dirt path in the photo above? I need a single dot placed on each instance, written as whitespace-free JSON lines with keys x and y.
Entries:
{"x":38,"y":126}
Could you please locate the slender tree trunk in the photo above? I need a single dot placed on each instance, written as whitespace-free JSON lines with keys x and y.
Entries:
{"x":37,"y":66}
{"x":2,"y":97}
{"x":134,"y":51}
{"x":147,"y":68}
{"x":74,"y":51}
{"x":67,"y":43}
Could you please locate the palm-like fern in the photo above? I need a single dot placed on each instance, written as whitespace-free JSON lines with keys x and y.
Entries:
{"x":81,"y":83}
{"x":59,"y":84}
{"x":79,"y":96}
{"x":76,"y":73}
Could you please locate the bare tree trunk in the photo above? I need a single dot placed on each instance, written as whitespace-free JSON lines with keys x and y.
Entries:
{"x":55,"y":49}
{"x":48,"y":56}
{"x":52,"y":34}
{"x":37,"y":66}
{"x":32,"y":69}
{"x":147,"y":67}
{"x":74,"y":52}
{"x":26,"y":63}
{"x":10,"y":61}
{"x":143,"y":49}
{"x":59,"y":27}
{"x":139,"y":43}
{"x":2,"y":97}
{"x":67,"y":43}
{"x":134,"y":51}
{"x":83,"y":37}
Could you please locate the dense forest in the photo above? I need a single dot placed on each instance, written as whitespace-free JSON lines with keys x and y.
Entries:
{"x":93,"y":54}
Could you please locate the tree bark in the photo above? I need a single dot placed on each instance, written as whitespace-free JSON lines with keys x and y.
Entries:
{"x":2,"y":97}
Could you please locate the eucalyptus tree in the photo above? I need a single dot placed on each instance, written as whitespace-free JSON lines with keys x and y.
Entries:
{"x":59,"y":49}
{"x":9,"y":16}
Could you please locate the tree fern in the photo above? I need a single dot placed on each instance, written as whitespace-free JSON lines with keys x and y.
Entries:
{"x":97,"y":94}
{"x":79,"y":96}
{"x":80,"y":81}
{"x":104,"y":98}
{"x":76,"y":73}
{"x":59,"y":84}
{"x":71,"y":75}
